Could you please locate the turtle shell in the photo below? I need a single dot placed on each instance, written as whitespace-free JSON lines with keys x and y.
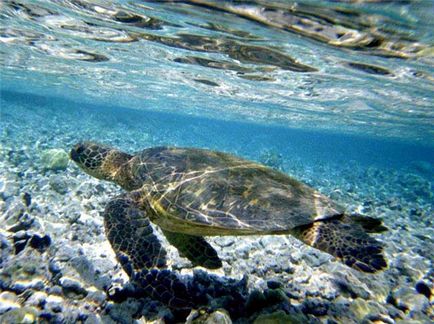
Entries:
{"x":205,"y":192}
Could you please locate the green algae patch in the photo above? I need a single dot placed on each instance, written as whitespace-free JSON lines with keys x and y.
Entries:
{"x":20,"y":315}
{"x":280,"y":317}
{"x":54,"y":159}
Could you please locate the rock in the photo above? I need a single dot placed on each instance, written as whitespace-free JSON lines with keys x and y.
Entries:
{"x":37,"y":299}
{"x":315,"y":307}
{"x":8,"y":300}
{"x":280,"y":317}
{"x":21,"y":286}
{"x":243,"y":250}
{"x":346,"y":287}
{"x":123,"y":312}
{"x":40,"y":243}
{"x":422,"y":288}
{"x":408,"y":299}
{"x":273,"y":284}
{"x":53,"y":267}
{"x":20,"y":239}
{"x":54,"y":159}
{"x":96,"y":296}
{"x":27,"y":199}
{"x":274,"y":296}
{"x":20,"y":315}
{"x":256,"y":301}
{"x":93,"y":319}
{"x":9,"y":188}
{"x":55,"y":290}
{"x":54,"y":304}
{"x":5,"y":249}
{"x":224,"y":241}
{"x":378,"y":318}
{"x":13,"y":214}
{"x":25,"y":222}
{"x":220,"y":316}
{"x":65,"y":252}
{"x":84,"y":267}
{"x":58,"y":184}
{"x":362,"y":308}
{"x":315,"y":258}
{"x":72,"y":288}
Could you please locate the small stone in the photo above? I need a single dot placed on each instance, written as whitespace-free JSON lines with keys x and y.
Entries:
{"x":5,"y":249}
{"x":20,"y":241}
{"x":54,"y":159}
{"x":23,"y":285}
{"x":37,"y":299}
{"x":424,"y":289}
{"x":362,"y":308}
{"x":20,"y":315}
{"x":220,"y":316}
{"x":280,"y":317}
{"x":58,"y":184}
{"x":96,"y":296}
{"x":93,"y":319}
{"x":378,"y":318}
{"x":8,"y":300}
{"x":368,"y":68}
{"x":256,"y":301}
{"x":9,"y":188}
{"x":65,"y":252}
{"x":409,"y":299}
{"x":224,"y":241}
{"x":416,"y":212}
{"x":315,"y":307}
{"x":54,"y":303}
{"x":72,"y":288}
{"x":274,"y":296}
{"x":46,"y":317}
{"x":84,"y":267}
{"x":315,"y":258}
{"x":350,"y":288}
{"x":25,"y":222}
{"x":40,"y":243}
{"x":243,"y":250}
{"x":55,"y":290}
{"x":54,"y":267}
{"x":273,"y":284}
{"x":14,"y":212}
{"x":27,"y":199}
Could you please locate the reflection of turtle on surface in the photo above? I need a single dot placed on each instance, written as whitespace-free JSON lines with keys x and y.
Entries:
{"x":191,"y":193}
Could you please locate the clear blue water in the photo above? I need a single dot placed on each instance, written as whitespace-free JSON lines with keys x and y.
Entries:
{"x":337,"y":94}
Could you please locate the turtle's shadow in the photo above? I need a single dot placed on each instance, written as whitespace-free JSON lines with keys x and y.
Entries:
{"x":207,"y":291}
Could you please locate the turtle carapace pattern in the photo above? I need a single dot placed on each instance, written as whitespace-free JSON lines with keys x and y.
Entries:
{"x":191,"y":193}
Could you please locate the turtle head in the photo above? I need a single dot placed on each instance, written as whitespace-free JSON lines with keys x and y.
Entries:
{"x":98,"y":160}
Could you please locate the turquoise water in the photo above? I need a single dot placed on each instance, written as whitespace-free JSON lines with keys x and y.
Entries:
{"x":336,"y":94}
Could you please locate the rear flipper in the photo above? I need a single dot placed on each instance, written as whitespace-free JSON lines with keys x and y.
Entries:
{"x":140,"y":252}
{"x":347,"y":241}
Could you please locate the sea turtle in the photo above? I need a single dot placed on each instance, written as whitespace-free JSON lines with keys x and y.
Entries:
{"x":191,"y":193}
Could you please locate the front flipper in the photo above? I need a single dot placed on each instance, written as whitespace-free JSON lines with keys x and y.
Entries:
{"x":140,"y":252}
{"x":195,"y":248}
